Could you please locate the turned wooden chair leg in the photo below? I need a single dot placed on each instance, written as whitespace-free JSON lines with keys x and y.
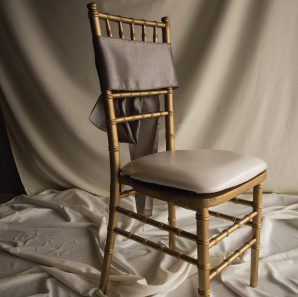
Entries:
{"x":109,"y":249}
{"x":202,"y":217}
{"x":256,"y":232}
{"x":172,"y":222}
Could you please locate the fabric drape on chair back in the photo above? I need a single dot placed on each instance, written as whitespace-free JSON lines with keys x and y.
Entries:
{"x":134,"y":66}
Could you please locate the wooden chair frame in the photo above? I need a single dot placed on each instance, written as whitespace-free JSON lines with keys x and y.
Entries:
{"x":189,"y":200}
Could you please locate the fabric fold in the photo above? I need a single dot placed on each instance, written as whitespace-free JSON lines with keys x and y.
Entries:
{"x":142,"y":136}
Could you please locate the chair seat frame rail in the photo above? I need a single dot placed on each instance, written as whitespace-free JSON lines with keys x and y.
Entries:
{"x":174,"y":197}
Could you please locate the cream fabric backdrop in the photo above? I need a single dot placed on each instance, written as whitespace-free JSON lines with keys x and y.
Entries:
{"x":236,"y":63}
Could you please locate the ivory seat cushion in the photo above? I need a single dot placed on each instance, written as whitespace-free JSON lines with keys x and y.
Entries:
{"x":200,"y":171}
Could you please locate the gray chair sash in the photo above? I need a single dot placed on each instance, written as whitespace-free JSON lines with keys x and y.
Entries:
{"x":134,"y":66}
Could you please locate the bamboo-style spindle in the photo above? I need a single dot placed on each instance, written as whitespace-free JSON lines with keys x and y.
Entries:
{"x":108,"y":27}
{"x":256,"y":232}
{"x":121,"y":32}
{"x":144,"y":34}
{"x":155,"y":36}
{"x":132,"y":31}
{"x":202,"y":217}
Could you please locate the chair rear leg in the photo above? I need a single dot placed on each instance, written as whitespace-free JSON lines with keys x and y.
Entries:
{"x":109,"y":248}
{"x":202,"y":217}
{"x":256,"y":232}
{"x":172,"y":222}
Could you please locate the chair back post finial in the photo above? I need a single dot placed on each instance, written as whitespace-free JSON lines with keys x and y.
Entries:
{"x":166,"y":30}
{"x":94,"y":19}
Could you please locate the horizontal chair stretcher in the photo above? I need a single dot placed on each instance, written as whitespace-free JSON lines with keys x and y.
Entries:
{"x":231,"y":229}
{"x":139,"y":94}
{"x":113,"y":18}
{"x":156,"y":246}
{"x":227,"y":217}
{"x":241,"y":201}
{"x":127,"y":193}
{"x":229,"y":260}
{"x":160,"y":225}
{"x":211,"y":213}
{"x":142,"y":116}
{"x":219,"y":215}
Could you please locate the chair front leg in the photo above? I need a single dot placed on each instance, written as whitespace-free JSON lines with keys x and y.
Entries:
{"x":202,"y":217}
{"x":256,"y":232}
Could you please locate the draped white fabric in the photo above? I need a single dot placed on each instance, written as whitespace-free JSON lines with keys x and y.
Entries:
{"x":52,"y":245}
{"x":236,"y":63}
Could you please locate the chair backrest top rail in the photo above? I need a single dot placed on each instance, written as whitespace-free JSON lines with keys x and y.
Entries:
{"x":110,"y":17}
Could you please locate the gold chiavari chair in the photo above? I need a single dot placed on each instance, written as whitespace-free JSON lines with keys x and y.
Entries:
{"x":177,"y":163}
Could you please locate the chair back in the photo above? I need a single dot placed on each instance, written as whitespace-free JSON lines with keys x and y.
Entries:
{"x":108,"y":94}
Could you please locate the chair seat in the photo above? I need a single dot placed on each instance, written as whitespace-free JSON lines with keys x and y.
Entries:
{"x":200,"y":171}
